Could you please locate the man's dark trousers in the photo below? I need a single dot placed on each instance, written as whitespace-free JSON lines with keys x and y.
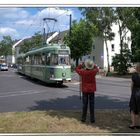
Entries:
{"x":88,"y":98}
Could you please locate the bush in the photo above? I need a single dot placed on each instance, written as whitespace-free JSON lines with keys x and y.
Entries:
{"x":122,"y":62}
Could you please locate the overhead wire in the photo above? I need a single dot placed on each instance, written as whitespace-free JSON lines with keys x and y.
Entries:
{"x":49,"y":15}
{"x":34,"y":24}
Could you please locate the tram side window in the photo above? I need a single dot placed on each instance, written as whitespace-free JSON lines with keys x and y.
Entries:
{"x":27,"y":60}
{"x":54,"y":59}
{"x":37,"y":59}
{"x":48,"y":58}
{"x":43,"y":58}
{"x":30,"y":59}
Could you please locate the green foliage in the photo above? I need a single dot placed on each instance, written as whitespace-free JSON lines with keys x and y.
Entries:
{"x":122,"y":62}
{"x":34,"y":42}
{"x":136,"y":56}
{"x":6,"y":46}
{"x":124,"y":19}
{"x":26,"y":46}
{"x":81,"y":39}
{"x":135,"y":32}
{"x":37,"y":40}
{"x":130,"y":18}
{"x":102,"y":18}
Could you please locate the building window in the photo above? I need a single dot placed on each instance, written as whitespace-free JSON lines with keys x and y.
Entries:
{"x":112,"y":47}
{"x":93,"y":47}
{"x":93,"y":58}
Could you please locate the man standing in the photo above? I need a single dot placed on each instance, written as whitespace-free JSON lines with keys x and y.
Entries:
{"x":87,"y":71}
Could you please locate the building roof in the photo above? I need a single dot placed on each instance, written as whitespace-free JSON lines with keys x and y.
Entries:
{"x":59,"y":38}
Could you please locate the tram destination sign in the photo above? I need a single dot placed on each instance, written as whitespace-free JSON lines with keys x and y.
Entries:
{"x":63,"y":52}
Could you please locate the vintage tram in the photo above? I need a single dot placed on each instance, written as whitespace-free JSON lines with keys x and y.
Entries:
{"x":50,"y":64}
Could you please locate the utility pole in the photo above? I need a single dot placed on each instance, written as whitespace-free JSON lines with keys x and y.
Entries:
{"x":44,"y":32}
{"x":44,"y":35}
{"x":70,"y":25}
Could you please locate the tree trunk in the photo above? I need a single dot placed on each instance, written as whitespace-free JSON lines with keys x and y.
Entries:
{"x":121,"y":49}
{"x":108,"y":69}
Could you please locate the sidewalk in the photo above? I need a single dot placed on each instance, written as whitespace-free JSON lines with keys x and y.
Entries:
{"x":75,"y":78}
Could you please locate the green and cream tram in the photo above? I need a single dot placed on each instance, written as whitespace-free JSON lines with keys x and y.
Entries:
{"x":50,"y":64}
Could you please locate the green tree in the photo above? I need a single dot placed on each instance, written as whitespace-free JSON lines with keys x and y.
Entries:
{"x":122,"y":67}
{"x":30,"y":43}
{"x":37,"y":40}
{"x":81,"y":39}
{"x":125,"y":20}
{"x":135,"y":34}
{"x":26,"y":46}
{"x":102,"y":18}
{"x":6,"y":46}
{"x":136,"y":56}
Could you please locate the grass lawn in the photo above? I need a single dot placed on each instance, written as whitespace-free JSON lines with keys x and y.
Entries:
{"x":107,"y":121}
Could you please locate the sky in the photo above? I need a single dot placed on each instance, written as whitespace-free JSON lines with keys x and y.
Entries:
{"x":24,"y":22}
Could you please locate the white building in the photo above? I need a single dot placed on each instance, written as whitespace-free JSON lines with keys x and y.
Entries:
{"x":99,"y":53}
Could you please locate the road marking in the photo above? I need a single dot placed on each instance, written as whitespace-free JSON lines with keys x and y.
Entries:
{"x":72,"y":83}
{"x":21,"y":93}
{"x":7,"y":75}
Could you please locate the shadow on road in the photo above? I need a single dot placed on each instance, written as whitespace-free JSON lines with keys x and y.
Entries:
{"x":73,"y":102}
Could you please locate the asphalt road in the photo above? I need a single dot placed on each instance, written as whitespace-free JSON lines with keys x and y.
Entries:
{"x":20,"y":93}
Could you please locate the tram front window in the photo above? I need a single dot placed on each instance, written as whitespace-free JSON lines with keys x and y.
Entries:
{"x":63,"y":60}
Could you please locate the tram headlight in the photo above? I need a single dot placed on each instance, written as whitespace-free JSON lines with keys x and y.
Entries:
{"x":63,"y":74}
